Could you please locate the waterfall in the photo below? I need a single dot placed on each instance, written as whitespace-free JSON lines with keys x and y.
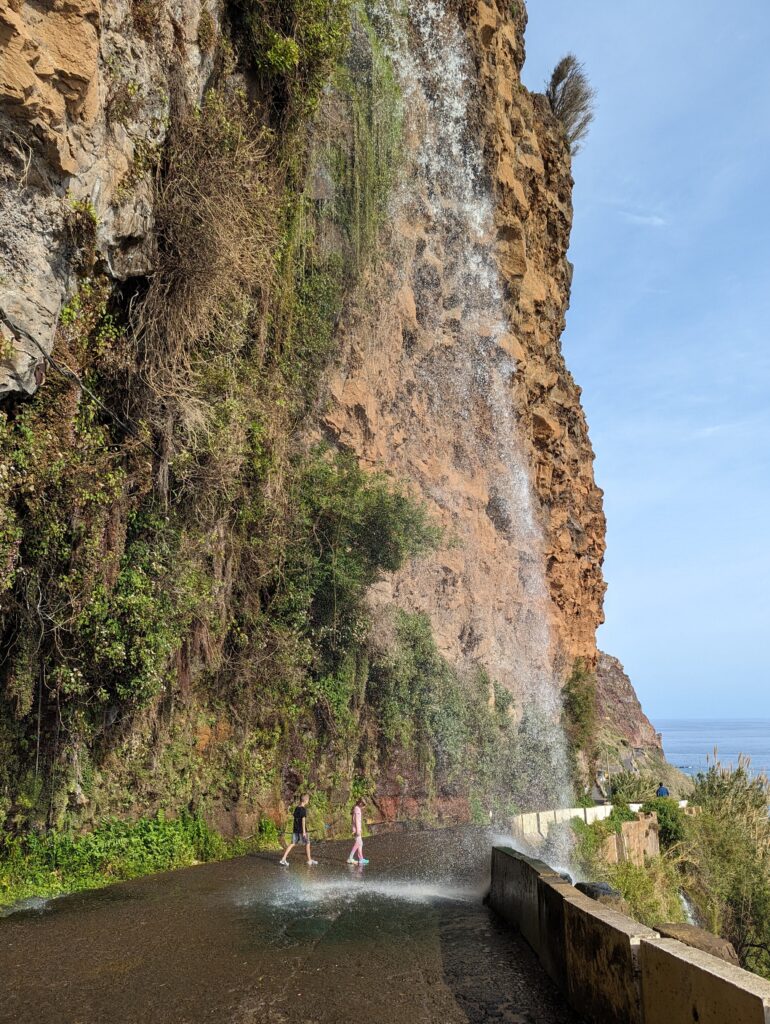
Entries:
{"x":445,"y":193}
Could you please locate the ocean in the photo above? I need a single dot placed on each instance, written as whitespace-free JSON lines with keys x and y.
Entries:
{"x":688,"y":743}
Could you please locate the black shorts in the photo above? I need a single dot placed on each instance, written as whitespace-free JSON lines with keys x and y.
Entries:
{"x":297,"y":837}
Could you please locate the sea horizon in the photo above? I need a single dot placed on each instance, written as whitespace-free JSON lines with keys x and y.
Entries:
{"x":689,"y":743}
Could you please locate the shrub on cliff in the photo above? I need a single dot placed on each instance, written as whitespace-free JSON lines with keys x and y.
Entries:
{"x":444,"y":725}
{"x":572,"y":99}
{"x":294,"y":45}
{"x":215,"y":223}
{"x":579,"y":703}
{"x":590,"y":839}
{"x":348,"y":528}
{"x":651,"y":892}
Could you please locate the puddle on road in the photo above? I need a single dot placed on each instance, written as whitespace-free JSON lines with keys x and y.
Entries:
{"x":309,"y":891}
{"x":304,"y":907}
{"x":31,"y":905}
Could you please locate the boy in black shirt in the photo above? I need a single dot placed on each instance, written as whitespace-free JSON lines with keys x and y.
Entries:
{"x":300,"y":834}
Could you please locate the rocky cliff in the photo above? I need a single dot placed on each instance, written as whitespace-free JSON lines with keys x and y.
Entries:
{"x":622,"y":721}
{"x":397,"y":401}
{"x":232,"y":231}
{"x":86,"y":93}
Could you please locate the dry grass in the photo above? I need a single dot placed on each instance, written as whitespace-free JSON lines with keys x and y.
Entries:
{"x":572,"y":99}
{"x":216,"y":229}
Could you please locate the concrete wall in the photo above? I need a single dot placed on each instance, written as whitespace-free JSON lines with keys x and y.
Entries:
{"x":535,"y":824}
{"x":611,"y":969}
{"x":635,"y":843}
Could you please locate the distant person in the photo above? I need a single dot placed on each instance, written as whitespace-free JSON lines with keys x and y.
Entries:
{"x":300,"y":833}
{"x":661,"y":791}
{"x":358,"y":833}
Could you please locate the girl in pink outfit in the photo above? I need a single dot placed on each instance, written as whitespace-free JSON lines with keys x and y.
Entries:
{"x":358,"y":845}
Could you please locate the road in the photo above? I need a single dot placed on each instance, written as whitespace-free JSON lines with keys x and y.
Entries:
{"x":404,"y":940}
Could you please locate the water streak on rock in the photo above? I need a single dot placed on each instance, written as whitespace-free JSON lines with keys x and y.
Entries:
{"x":466,"y":369}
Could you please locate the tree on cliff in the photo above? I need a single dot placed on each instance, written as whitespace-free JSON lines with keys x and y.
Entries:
{"x":572,"y":99}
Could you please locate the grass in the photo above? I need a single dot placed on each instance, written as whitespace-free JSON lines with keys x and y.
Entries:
{"x":215,"y":207}
{"x":58,"y":862}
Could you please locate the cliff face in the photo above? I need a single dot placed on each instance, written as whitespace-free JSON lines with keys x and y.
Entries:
{"x":622,"y":722}
{"x":397,"y":401}
{"x":164,"y":565}
{"x":86,"y":95}
{"x":89,"y":88}
{"x":532,"y":178}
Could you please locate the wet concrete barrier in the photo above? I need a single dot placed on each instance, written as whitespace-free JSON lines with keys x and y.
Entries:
{"x":611,"y":969}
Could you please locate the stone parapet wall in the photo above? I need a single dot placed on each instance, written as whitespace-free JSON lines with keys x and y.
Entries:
{"x":611,"y":969}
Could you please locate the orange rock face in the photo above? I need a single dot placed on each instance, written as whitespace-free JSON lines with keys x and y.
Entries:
{"x":531,"y":170}
{"x":49,"y":69}
{"x":435,"y":390}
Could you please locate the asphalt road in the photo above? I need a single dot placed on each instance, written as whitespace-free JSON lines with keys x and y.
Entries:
{"x":404,"y":940}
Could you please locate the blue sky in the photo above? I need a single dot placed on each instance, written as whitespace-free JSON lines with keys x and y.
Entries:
{"x":668,"y":334}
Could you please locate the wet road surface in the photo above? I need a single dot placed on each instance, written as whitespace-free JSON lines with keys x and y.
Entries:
{"x":404,"y":940}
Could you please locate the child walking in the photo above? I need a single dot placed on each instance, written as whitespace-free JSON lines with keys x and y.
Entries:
{"x":300,"y":833}
{"x":358,"y":834}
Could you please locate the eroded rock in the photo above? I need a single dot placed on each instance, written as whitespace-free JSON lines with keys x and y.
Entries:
{"x":85,"y":102}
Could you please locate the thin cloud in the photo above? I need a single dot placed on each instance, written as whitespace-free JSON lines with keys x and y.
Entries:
{"x":647,"y":220}
{"x":710,"y":431}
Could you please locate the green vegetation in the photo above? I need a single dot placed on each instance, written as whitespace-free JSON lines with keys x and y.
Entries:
{"x":579,"y":722}
{"x":726,"y":859}
{"x":651,"y":891}
{"x":55,"y":863}
{"x":671,"y":819}
{"x":145,"y":14}
{"x":294,"y":47}
{"x":207,"y":31}
{"x":458,"y":731}
{"x":579,"y":696}
{"x":633,"y":787}
{"x":81,"y":222}
{"x":364,"y":162}
{"x":590,"y":839}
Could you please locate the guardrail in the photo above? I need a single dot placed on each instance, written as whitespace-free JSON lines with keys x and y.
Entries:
{"x":611,"y":969}
{"x":538,"y":823}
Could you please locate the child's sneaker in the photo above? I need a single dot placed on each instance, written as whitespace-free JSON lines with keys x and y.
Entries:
{"x":283,"y":863}
{"x":350,"y":860}
{"x":311,"y":863}
{"x":363,"y":861}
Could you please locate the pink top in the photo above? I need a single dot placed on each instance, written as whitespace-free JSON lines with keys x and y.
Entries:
{"x":356,"y":820}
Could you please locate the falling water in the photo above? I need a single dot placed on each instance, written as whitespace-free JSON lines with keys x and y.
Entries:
{"x":460,"y":296}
